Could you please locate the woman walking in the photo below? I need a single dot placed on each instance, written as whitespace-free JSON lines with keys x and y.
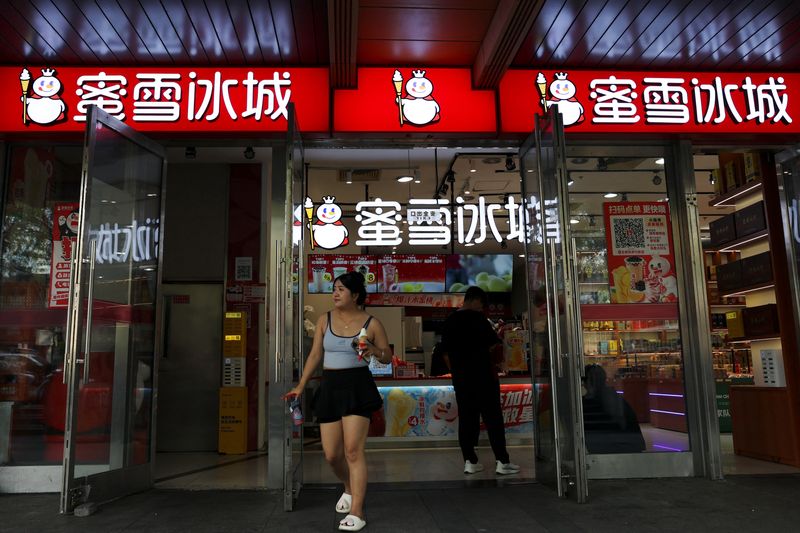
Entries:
{"x":347,"y":395}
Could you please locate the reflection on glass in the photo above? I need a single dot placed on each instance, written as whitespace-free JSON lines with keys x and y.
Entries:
{"x":41,"y":183}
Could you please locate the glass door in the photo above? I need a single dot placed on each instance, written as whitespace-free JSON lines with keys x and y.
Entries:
{"x":288,"y":232}
{"x":553,"y":312}
{"x":110,"y":365}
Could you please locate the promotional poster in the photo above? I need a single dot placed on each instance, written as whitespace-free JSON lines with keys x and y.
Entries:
{"x":640,"y":253}
{"x":65,"y":235}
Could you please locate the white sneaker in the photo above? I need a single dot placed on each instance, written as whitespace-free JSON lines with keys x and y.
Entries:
{"x":506,"y":468}
{"x":472,"y":468}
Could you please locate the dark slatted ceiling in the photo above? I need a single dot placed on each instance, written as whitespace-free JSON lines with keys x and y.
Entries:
{"x":635,"y":34}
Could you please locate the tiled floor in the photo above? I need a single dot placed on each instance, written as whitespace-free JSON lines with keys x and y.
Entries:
{"x":208,"y":471}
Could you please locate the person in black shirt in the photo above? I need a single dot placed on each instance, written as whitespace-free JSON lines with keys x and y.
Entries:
{"x":467,"y":338}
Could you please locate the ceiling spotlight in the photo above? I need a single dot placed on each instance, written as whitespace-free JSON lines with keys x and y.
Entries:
{"x":602,"y":164}
{"x":656,"y":179}
{"x":570,"y":182}
{"x":510,"y":165}
{"x":404,"y":179}
{"x":574,"y":221}
{"x":660,"y":161}
{"x":711,"y":178}
{"x":249,"y":153}
{"x":349,"y":178}
{"x":191,"y":152}
{"x":610,"y":195}
{"x":522,"y":255}
{"x":417,"y":181}
{"x":471,"y":166}
{"x":624,"y":197}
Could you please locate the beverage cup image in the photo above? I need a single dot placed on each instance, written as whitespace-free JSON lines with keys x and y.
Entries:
{"x":635,"y":266}
{"x":389,"y":276}
{"x":339,"y":271}
{"x":363,"y":270}
{"x":318,"y":273}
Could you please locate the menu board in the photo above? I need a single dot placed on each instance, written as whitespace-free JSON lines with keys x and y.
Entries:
{"x":490,"y":272}
{"x":411,"y":273}
{"x":640,"y":253}
{"x":323,"y":269}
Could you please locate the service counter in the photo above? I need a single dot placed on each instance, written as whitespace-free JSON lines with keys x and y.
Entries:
{"x":425,"y":410}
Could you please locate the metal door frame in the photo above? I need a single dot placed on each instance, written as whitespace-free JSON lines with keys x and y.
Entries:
{"x":127,"y":480}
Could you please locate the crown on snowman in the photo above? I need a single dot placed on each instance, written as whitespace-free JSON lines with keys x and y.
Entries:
{"x":561,"y":75}
{"x":328,"y":199}
{"x":48,"y":71}
{"x":418,"y":73}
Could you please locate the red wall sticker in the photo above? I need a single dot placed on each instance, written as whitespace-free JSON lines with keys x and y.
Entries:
{"x":657,"y":102}
{"x":163,"y":98}
{"x":412,"y":100}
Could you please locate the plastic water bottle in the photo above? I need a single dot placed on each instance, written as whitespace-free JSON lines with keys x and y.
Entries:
{"x":297,"y":413}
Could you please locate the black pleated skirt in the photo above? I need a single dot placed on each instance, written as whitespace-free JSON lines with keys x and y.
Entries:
{"x":349,"y":391}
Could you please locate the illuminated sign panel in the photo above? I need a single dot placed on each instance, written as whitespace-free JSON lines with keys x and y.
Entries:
{"x":657,"y":102}
{"x":165,"y":99}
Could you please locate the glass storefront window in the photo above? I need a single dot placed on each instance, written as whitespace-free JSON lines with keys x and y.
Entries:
{"x":42,"y":191}
{"x":633,"y":392}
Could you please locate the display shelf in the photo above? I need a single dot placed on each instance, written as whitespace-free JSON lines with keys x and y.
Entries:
{"x":771,"y":336}
{"x":727,"y":199}
{"x":666,"y":311}
{"x":641,"y":330}
{"x":727,"y":306}
{"x":746,"y":239}
{"x":752,"y":288}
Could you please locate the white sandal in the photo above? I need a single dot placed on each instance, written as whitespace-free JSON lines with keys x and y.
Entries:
{"x":344,"y":503}
{"x":352,"y":523}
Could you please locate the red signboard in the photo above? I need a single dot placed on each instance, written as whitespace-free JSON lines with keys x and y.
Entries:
{"x":657,"y":102}
{"x":641,"y":264}
{"x":164,"y":98}
{"x":408,"y":100}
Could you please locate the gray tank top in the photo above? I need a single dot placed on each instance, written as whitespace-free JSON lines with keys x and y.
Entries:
{"x":338,"y":351}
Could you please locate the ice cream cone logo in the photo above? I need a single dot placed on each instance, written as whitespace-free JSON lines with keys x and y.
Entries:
{"x":309,"y":208}
{"x":25,"y":81}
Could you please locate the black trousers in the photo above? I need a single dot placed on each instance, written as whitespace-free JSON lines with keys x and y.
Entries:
{"x":478,"y":400}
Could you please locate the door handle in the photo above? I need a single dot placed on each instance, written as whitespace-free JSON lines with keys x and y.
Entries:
{"x":69,"y":353}
{"x":556,"y":308}
{"x":577,"y":303}
{"x":87,"y":354}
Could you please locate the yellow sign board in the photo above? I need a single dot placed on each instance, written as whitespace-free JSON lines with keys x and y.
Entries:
{"x":233,"y":420}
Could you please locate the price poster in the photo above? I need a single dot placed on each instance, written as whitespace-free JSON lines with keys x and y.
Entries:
{"x":65,"y":235}
{"x":411,"y":273}
{"x":323,"y":269}
{"x":641,"y":266}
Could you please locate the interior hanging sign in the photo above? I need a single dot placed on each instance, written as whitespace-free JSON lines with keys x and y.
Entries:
{"x":656,"y":102}
{"x":414,"y":100}
{"x":164,"y":99}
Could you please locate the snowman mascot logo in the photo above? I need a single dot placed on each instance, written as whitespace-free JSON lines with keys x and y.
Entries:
{"x":418,"y":107}
{"x":562,"y":92}
{"x":328,"y":231}
{"x":44,"y":106}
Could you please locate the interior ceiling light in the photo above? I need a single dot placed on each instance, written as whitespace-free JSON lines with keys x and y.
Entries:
{"x":471,"y":166}
{"x":407,"y":177}
{"x":510,"y":165}
{"x":190,"y":152}
{"x":349,"y":179}
{"x":711,"y":179}
{"x":574,"y":221}
{"x":602,"y":164}
{"x":660,"y":161}
{"x":610,"y":195}
{"x":570,"y":182}
{"x":249,"y":153}
{"x":656,"y":179}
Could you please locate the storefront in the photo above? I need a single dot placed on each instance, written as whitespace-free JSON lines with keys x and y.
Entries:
{"x":589,"y":235}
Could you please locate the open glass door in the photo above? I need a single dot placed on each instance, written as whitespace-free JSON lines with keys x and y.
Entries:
{"x":553,"y":312}
{"x":287,"y":234}
{"x":111,"y":358}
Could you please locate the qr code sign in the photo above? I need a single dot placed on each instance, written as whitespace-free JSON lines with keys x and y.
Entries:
{"x":628,"y":234}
